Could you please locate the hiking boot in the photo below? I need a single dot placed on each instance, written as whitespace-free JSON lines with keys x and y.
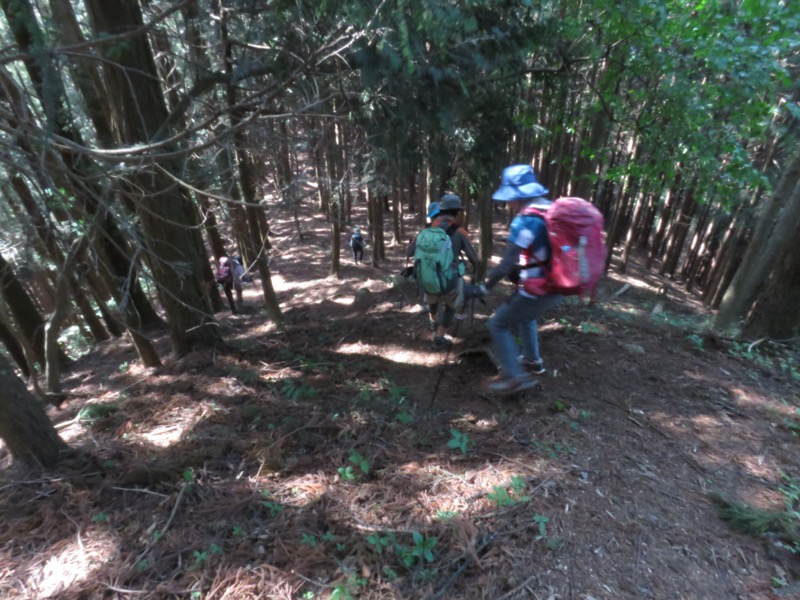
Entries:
{"x":441,"y":343}
{"x":534,"y":366}
{"x":510,"y":385}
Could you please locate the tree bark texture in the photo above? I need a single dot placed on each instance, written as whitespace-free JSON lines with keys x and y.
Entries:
{"x":24,"y":425}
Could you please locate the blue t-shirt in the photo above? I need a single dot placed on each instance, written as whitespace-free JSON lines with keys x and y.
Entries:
{"x":530,"y":233}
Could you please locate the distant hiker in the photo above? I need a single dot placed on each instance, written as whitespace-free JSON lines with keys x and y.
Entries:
{"x":240,"y":271}
{"x":438,"y":268}
{"x":226,"y":278}
{"x":357,"y":245}
{"x":527,"y":251}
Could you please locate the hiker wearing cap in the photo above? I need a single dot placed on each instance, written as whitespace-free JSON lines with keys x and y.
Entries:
{"x":443,"y":284}
{"x":527,"y":250}
{"x":357,"y":245}
{"x":433,"y":212}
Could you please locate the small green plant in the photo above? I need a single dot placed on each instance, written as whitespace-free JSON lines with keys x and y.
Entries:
{"x":308,"y":539}
{"x":378,"y":542}
{"x":189,"y":480}
{"x":542,"y":522}
{"x":590,"y":328}
{"x":347,"y":473}
{"x":697,"y":342}
{"x":404,"y":417}
{"x":97,"y":410}
{"x":423,"y":547}
{"x":201,"y":556}
{"x":124,"y":367}
{"x":359,"y":461}
{"x":500,"y":493}
{"x":274,"y":508}
{"x":458,"y":440}
{"x":346,"y":590}
{"x":397,"y":393}
{"x":446,"y":515}
{"x":328,"y":536}
{"x":297,"y":389}
{"x":100,"y":517}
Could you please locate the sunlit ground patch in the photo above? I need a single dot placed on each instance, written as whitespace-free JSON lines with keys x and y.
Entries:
{"x":64,"y":565}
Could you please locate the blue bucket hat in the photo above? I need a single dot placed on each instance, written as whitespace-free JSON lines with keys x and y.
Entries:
{"x":519,"y":183}
{"x":433,"y":209}
{"x":450,"y":202}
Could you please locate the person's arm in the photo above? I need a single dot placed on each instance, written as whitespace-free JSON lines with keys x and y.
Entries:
{"x":507,"y":264}
{"x":469,"y":250}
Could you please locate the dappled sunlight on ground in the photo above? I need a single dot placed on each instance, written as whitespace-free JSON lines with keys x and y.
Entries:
{"x":66,"y":564}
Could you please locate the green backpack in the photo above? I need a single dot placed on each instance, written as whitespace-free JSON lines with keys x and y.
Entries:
{"x":434,"y":261}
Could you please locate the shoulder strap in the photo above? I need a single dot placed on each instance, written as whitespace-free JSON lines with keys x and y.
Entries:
{"x":451,"y":229}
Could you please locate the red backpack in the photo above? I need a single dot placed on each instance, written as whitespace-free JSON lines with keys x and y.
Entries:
{"x":577,"y":248}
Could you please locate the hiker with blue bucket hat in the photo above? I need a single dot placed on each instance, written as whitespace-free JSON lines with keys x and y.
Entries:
{"x":527,"y":251}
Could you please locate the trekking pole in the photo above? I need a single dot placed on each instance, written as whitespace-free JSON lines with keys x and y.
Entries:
{"x":459,"y":318}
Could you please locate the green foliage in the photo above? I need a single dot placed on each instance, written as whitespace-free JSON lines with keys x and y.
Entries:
{"x":74,"y":342}
{"x":97,"y":410}
{"x":697,"y":342}
{"x":379,"y":542}
{"x":297,"y":390}
{"x":273,"y":508}
{"x":361,"y":462}
{"x":201,"y":557}
{"x":542,"y":521}
{"x":348,"y":589}
{"x":347,"y":472}
{"x":511,"y":493}
{"x":458,"y":440}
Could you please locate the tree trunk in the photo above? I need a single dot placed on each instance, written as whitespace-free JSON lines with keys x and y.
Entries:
{"x":771,"y":244}
{"x":14,"y":349}
{"x":28,"y":320}
{"x":24,"y":426}
{"x":776,"y":312}
{"x":175,"y":252}
{"x":679,"y":232}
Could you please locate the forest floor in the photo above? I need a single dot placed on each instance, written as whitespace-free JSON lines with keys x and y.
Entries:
{"x":342,"y":457}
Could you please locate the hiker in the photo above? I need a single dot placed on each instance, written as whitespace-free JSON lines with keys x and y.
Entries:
{"x":527,"y":250}
{"x":240,"y":271}
{"x":357,"y":245}
{"x":408,"y":272}
{"x":442,"y":283}
{"x":433,"y":212}
{"x":226,"y":278}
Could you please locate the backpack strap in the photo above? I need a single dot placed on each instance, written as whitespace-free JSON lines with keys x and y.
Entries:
{"x":451,"y":229}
